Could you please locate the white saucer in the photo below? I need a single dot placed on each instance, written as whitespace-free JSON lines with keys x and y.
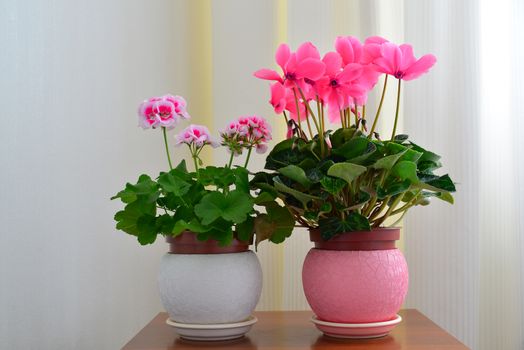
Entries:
{"x":212,"y":332}
{"x":356,"y":330}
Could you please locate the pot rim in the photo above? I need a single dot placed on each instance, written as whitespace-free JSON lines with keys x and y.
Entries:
{"x":381,"y":238}
{"x":187,"y":243}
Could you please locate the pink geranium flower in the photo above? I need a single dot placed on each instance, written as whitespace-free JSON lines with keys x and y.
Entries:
{"x":247,"y":132}
{"x":400,"y":62}
{"x":164,"y":111}
{"x":180,"y":105}
{"x":197,"y":135}
{"x":304,"y":64}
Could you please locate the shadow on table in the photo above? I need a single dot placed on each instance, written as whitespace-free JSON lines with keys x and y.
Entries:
{"x":385,"y":343}
{"x":240,"y":343}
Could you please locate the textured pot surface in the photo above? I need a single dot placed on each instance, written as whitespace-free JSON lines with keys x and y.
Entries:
{"x":355,"y":286}
{"x":210,"y":288}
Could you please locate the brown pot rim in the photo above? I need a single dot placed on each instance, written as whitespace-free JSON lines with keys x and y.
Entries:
{"x":382,"y":238}
{"x":187,"y":243}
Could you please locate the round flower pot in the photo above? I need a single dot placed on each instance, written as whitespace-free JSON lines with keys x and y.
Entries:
{"x":356,"y":277}
{"x":202,"y":283}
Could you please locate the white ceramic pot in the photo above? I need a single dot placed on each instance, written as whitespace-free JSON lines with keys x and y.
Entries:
{"x":210,"y":288}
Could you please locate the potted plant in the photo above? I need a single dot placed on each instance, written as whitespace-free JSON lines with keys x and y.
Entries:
{"x":209,"y":281}
{"x":349,"y":186}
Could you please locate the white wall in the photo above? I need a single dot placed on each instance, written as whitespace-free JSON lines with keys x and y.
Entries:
{"x":72,"y":74}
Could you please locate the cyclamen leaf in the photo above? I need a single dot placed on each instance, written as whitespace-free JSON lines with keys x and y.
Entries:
{"x":346,"y":171}
{"x":388,"y":161}
{"x":296,"y":174}
{"x":333,"y":226}
{"x":405,"y":170}
{"x":353,"y":148}
{"x":302,"y":197}
{"x":332,"y":185}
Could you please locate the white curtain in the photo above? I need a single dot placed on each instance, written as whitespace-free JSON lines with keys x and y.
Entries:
{"x":466,"y":262}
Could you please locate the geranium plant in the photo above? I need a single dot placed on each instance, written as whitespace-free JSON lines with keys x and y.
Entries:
{"x":212,"y":202}
{"x":351,"y":178}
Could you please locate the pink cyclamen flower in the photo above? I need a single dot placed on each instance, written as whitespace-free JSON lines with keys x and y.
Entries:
{"x":304,"y":64}
{"x":400,"y":62}
{"x":197,"y":135}
{"x":349,"y":48}
{"x":338,"y":87}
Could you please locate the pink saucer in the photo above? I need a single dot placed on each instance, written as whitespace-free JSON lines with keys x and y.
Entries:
{"x":356,"y":330}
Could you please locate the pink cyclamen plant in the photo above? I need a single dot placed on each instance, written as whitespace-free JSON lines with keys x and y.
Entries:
{"x":340,"y":81}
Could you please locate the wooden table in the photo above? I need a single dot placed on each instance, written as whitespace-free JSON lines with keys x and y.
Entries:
{"x":277,"y":330}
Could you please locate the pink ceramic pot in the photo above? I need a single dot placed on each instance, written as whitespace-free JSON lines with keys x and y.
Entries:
{"x":356,"y":277}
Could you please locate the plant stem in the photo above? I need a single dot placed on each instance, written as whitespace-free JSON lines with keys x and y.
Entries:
{"x":356,"y":114}
{"x":309,"y":125}
{"x":298,"y":111}
{"x":248,"y":155}
{"x":167,"y":148}
{"x":380,"y":220}
{"x":231,"y":159}
{"x":379,"y":107}
{"x":396,"y":111}
{"x":363,"y":117}
{"x":308,"y":107}
{"x":285,"y":117}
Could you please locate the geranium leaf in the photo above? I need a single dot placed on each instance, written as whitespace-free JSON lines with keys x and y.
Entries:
{"x":232,"y":207}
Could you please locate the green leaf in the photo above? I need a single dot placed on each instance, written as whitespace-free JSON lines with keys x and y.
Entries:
{"x":264,"y":197}
{"x":287,"y":152}
{"x":193,"y":226}
{"x":388,"y":161}
{"x":436,"y":183}
{"x":332,"y":185}
{"x":302,"y":197}
{"x":276,"y":225}
{"x":393,"y":189}
{"x":405,"y":170}
{"x":147,"y":229}
{"x":296,"y":174}
{"x":232,"y":207}
{"x":410,"y":154}
{"x":242,"y":179}
{"x":145,"y":189}
{"x":245,"y":229}
{"x":182,"y":166}
{"x":333,"y":226}
{"x":341,"y":136}
{"x":353,"y":148}
{"x":127,"y":219}
{"x":221,"y":177}
{"x":346,"y":171}
{"x":171,"y":183}
{"x":371,"y":149}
